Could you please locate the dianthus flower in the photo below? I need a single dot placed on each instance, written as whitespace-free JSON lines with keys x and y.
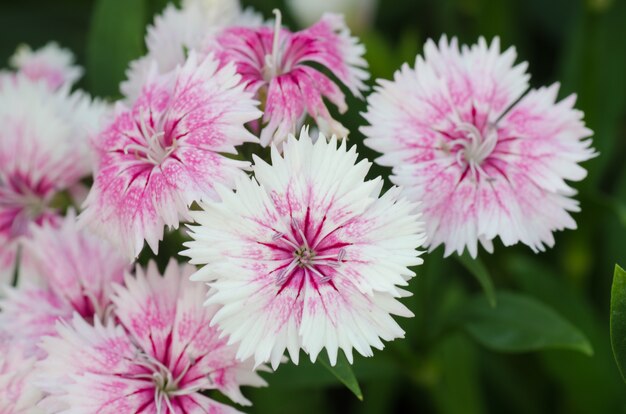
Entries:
{"x":484,"y":159}
{"x":52,"y":64}
{"x":276,"y":65}
{"x":166,"y":152}
{"x":307,"y":255}
{"x":69,"y":271}
{"x":44,"y":149}
{"x":158,"y":357}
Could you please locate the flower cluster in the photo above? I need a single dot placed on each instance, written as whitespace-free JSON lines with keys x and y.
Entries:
{"x":292,"y":248}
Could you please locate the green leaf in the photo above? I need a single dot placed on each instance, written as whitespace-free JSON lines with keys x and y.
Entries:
{"x":592,"y":385}
{"x":116,"y":38}
{"x":618,"y":319}
{"x":343,"y":371}
{"x":478,"y":269}
{"x":457,"y":385}
{"x":521,"y":324}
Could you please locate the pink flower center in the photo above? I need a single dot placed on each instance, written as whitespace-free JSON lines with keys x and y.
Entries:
{"x":154,"y":149}
{"x":303,"y":252}
{"x":25,"y":200}
{"x":166,"y":386}
{"x":475,"y":147}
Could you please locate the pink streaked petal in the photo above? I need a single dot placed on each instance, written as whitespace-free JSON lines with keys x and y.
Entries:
{"x":146,"y":307}
{"x":195,"y":341}
{"x":101,"y":393}
{"x":32,"y":313}
{"x":77,"y":266}
{"x":80,"y":348}
{"x":18,"y":394}
{"x":200,"y":404}
{"x":549,"y":138}
{"x":290,"y":87}
{"x":329,"y":43}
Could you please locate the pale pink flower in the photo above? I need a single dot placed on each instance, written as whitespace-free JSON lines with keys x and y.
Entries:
{"x":484,"y":160}
{"x":18,"y":395}
{"x":69,"y":271}
{"x":309,"y":255}
{"x":52,"y":64}
{"x":177,"y":31}
{"x":45,"y":149}
{"x":275,"y":65}
{"x":157,"y":359}
{"x":165,"y":152}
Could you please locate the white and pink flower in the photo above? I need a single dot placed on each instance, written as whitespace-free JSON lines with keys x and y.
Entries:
{"x":307,"y":255}
{"x":157,"y":358}
{"x":164,"y":153}
{"x":65,"y":270}
{"x":51,"y":64}
{"x":45,"y":149}
{"x":178,"y":31}
{"x":275,"y":65}
{"x":484,"y":159}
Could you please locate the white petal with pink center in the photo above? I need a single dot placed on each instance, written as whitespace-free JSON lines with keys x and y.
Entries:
{"x":166,"y":152}
{"x":484,"y":161}
{"x":45,"y":149}
{"x":51,"y":63}
{"x":158,"y":358}
{"x":307,"y":255}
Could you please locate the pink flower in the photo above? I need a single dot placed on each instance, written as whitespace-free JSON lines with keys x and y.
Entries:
{"x":165,"y":152}
{"x":157,"y":359}
{"x":18,"y":395}
{"x":44,"y":152}
{"x":484,"y":160}
{"x":308,"y":255}
{"x":51,"y":64}
{"x":69,"y":271}
{"x":275,"y":65}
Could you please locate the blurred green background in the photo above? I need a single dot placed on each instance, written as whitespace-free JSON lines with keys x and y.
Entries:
{"x":439,"y":368}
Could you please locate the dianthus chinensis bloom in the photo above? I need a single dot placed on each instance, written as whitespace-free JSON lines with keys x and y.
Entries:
{"x":276,"y":65}
{"x":69,"y":271}
{"x":177,"y":31}
{"x":44,"y":149}
{"x":484,"y":160}
{"x":164,"y":153}
{"x":51,"y":63}
{"x":307,"y":255}
{"x":157,"y":359}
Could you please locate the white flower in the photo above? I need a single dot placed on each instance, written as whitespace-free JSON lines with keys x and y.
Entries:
{"x":307,"y":255}
{"x":176,"y":31}
{"x":51,"y":63}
